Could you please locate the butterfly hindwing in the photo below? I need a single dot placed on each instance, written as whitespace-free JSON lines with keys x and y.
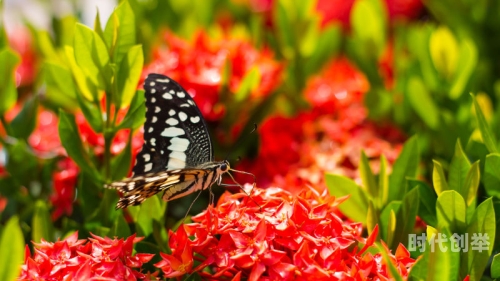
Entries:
{"x":175,"y":133}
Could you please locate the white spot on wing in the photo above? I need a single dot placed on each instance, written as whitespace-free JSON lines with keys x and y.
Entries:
{"x":177,"y":160}
{"x":182,"y":116}
{"x":171,"y":112}
{"x":148,"y":167}
{"x":172,"y":132}
{"x":154,"y":119}
{"x":185,"y":105}
{"x":172,"y":121}
{"x":178,"y":144}
{"x":195,"y":119}
{"x":153,"y":141}
{"x":167,"y":96}
{"x":153,"y":100}
{"x":157,"y":109}
{"x":191,"y":102}
{"x":153,"y":91}
{"x":152,"y":83}
{"x":163,"y":80}
{"x":150,"y":129}
{"x":147,"y":157}
{"x":181,"y":94}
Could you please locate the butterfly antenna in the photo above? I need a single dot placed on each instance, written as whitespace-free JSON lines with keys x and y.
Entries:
{"x":241,"y":187}
{"x":190,"y":206}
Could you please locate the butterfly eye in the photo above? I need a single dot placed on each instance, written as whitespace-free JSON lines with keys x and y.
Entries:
{"x":223,"y":167}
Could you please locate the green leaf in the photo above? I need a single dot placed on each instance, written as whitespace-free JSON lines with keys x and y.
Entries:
{"x":488,"y":137}
{"x":495,"y":267}
{"x":119,"y":33}
{"x":136,"y":114}
{"x":327,"y":46}
{"x":92,"y":56}
{"x":467,"y":62}
{"x":98,"y":25}
{"x":383,"y":183}
{"x":12,"y":250}
{"x":371,"y":218}
{"x":469,"y":190}
{"x":61,"y":89}
{"x":120,"y":165}
{"x":129,"y":74}
{"x":406,"y":217}
{"x":437,"y":264}
{"x":85,"y":85}
{"x":421,"y":100}
{"x":405,"y":166}
{"x":71,"y":141}
{"x":388,"y":221}
{"x":150,"y":210}
{"x":451,"y":211}
{"x":120,"y":227}
{"x":249,"y":83}
{"x":444,"y":51}
{"x":8,"y":92}
{"x":356,"y":206}
{"x":427,"y":205}
{"x":459,"y":167}
{"x":373,"y":35}
{"x":475,"y":260}
{"x":41,"y":223}
{"x":92,"y":113}
{"x":491,"y":177}
{"x":24,"y":123}
{"x":439,"y":179}
{"x":367,"y":176}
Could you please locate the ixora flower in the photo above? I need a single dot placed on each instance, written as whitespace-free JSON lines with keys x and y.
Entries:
{"x":200,"y":67}
{"x":284,"y":238}
{"x":328,"y":138}
{"x":96,"y":258}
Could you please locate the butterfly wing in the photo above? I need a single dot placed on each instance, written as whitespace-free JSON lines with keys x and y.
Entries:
{"x":175,"y":133}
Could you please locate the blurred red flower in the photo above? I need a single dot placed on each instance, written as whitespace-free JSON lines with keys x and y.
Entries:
{"x":199,"y":67}
{"x":94,"y":259}
{"x":328,"y":138}
{"x":20,"y":41}
{"x":64,"y":180}
{"x":286,"y":238}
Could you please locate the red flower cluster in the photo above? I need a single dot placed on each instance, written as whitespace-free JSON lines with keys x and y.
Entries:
{"x":286,"y":238}
{"x":199,"y":67}
{"x":328,"y":138}
{"x":20,"y":41}
{"x":94,"y":259}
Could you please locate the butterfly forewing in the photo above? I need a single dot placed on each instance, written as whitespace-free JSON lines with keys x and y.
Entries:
{"x":175,"y":133}
{"x":177,"y":155}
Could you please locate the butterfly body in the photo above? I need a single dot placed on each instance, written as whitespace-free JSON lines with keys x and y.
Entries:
{"x":177,"y":155}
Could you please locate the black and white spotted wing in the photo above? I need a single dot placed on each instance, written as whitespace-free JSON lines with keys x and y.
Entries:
{"x":177,"y":153}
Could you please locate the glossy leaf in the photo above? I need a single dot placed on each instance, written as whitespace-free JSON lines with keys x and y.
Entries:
{"x":8,"y":92}
{"x":488,"y":137}
{"x":71,"y":141}
{"x":119,"y":33}
{"x":444,"y":51}
{"x":61,"y":88}
{"x":356,"y":206}
{"x":383,"y":182}
{"x":427,"y":205}
{"x":120,"y":227}
{"x":128,"y":74}
{"x":249,"y":83}
{"x":120,"y":165}
{"x":405,"y":166}
{"x":483,"y":222}
{"x":451,"y":211}
{"x":422,"y":102}
{"x":469,"y":190}
{"x":136,"y":114}
{"x":85,"y":85}
{"x":491,"y":177}
{"x":495,"y":266}
{"x":467,"y":62}
{"x":25,"y":121}
{"x":12,"y":249}
{"x":388,"y":221}
{"x":439,"y":179}
{"x":406,"y":217}
{"x":91,"y":55}
{"x":459,"y":167}
{"x":150,"y":210}
{"x":41,"y":223}
{"x":367,"y":176}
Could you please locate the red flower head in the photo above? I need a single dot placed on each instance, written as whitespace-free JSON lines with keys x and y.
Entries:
{"x":286,"y":238}
{"x":199,"y":66}
{"x":94,"y":259}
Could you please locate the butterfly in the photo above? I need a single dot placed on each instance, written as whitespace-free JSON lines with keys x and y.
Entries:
{"x":177,"y":154}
